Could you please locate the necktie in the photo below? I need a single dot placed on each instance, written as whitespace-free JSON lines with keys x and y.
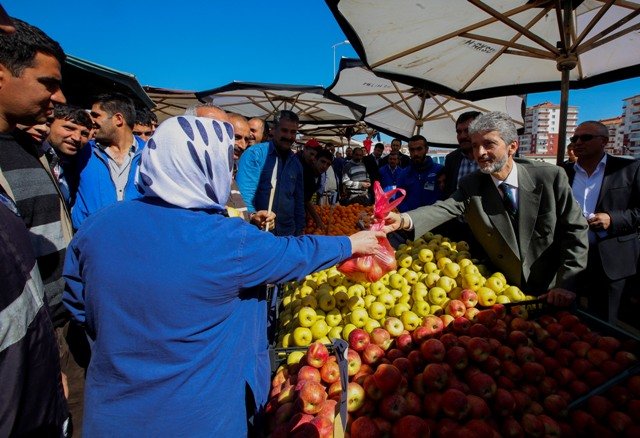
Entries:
{"x":509,"y":198}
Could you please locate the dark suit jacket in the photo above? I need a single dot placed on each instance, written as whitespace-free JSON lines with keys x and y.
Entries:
{"x":551,"y":246}
{"x":451,"y":167}
{"x":619,"y":197}
{"x":373,"y":169}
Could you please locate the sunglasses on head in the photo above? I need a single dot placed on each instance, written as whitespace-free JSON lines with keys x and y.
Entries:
{"x":584,"y":137}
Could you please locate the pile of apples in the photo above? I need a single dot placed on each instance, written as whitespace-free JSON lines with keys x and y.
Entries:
{"x":435,"y":277}
{"x":503,"y":375}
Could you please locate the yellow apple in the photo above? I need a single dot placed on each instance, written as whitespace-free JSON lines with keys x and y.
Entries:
{"x":377,"y":310}
{"x":396,"y":281}
{"x":486,"y":296}
{"x":494,"y":283}
{"x":421,"y":308}
{"x":307,"y":316}
{"x":442,"y":262}
{"x":335,"y":332}
{"x":359,"y":317}
{"x":387,"y":299}
{"x":514,"y":294}
{"x":432,"y":279}
{"x":410,"y":320}
{"x":319,"y":329}
{"x":370,"y":325}
{"x":355,"y":302}
{"x":411,"y":277}
{"x":348,"y":328}
{"x":451,"y":270}
{"x":295,"y":357}
{"x":502,"y":299}
{"x":377,"y":288}
{"x":404,"y":260}
{"x":446,"y":283}
{"x":327,"y":302}
{"x":341,"y":298}
{"x":333,"y":318}
{"x":437,"y":295}
{"x":302,"y":336}
{"x":425,"y":255}
{"x":398,"y":309}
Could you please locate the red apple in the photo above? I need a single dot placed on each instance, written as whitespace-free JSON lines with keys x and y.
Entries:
{"x":517,"y":338}
{"x":353,"y":362}
{"x":619,"y":421}
{"x":533,"y":371}
{"x":335,"y":390}
{"x":323,"y":426}
{"x":582,"y":421}
{"x":432,"y":404}
{"x":381,"y":337}
{"x":330,"y":372}
{"x":455,"y":308}
{"x":505,"y":353}
{"x":364,"y":427}
{"x":608,"y":344}
{"x":359,"y":339}
{"x":479,"y":331}
{"x":524,"y":354}
{"x":307,"y":372}
{"x":312,"y":395}
{"x":433,"y":324}
{"x":597,"y":356}
{"x":317,"y":354}
{"x":625,"y":359}
{"x":461,"y":325}
{"x":478,"y":408}
{"x":457,"y":358}
{"x":393,"y":354}
{"x":387,"y":378}
{"x":532,"y":425}
{"x":298,"y":421}
{"x":404,"y":342}
{"x":478,"y":349}
{"x":599,"y":406}
{"x":492,"y":366}
{"x":435,"y":376}
{"x":512,"y":370}
{"x":555,"y":405}
{"x":511,"y":428}
{"x":449,"y":340}
{"x":482,"y":385}
{"x":372,"y":354}
{"x":503,"y":403}
{"x":328,"y":409}
{"x":469,"y":298}
{"x":410,"y":426}
{"x":455,"y":404}
{"x":446,"y":319}
{"x":564,"y":376}
{"x":551,"y":426}
{"x":487,"y":317}
{"x":471,"y":313}
{"x":420,"y":334}
{"x":433,"y":350}
{"x":414,"y":403}
{"x":392,"y":407}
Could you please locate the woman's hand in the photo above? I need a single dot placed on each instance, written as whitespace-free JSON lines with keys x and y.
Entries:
{"x":365,"y":242}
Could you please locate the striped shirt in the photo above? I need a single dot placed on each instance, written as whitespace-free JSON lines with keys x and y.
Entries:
{"x":38,"y":202}
{"x":352,"y":178}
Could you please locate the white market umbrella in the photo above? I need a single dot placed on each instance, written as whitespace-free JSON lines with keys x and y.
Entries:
{"x":169,"y":102}
{"x":266,"y":100}
{"x":484,"y":48}
{"x":402,"y":110}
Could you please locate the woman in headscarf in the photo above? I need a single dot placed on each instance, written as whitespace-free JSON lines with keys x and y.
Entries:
{"x":166,"y":288}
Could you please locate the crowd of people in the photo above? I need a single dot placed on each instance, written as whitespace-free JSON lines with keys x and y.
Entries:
{"x":135,"y":256}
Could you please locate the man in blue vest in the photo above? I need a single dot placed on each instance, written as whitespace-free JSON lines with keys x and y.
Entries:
{"x":420,"y":177}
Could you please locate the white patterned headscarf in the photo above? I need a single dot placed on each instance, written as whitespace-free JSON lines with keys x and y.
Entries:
{"x":188,"y":163}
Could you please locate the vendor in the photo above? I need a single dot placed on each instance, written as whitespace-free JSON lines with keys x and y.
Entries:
{"x":166,"y":288}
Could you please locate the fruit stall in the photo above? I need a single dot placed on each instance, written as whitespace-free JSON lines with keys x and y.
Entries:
{"x":441,"y":346}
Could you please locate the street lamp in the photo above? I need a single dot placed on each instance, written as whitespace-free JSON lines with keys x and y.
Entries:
{"x":334,"y":54}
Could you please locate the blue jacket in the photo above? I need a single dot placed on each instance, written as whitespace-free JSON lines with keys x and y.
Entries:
{"x":389,"y":178}
{"x":178,"y":324}
{"x":421,"y":185}
{"x":254,"y":181}
{"x":96,"y":189}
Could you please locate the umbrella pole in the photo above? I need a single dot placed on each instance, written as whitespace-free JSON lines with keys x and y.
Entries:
{"x":564,"y":111}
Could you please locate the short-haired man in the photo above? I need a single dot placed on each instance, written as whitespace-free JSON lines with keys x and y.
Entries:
{"x":32,"y":401}
{"x":143,"y":126}
{"x":420,"y":177}
{"x":460,"y":162}
{"x":356,"y":180}
{"x":264,"y":164}
{"x":608,"y":191}
{"x":396,"y":146}
{"x":329,"y":182}
{"x":522,"y":212}
{"x":310,"y":176}
{"x":242,"y":135}
{"x":257,"y":128}
{"x":389,"y":172}
{"x":69,"y":132}
{"x":110,"y":163}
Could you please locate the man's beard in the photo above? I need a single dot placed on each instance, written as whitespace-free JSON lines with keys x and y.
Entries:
{"x":494,"y":167}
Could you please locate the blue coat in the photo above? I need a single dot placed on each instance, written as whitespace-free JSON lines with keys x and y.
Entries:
{"x":254,"y":181}
{"x":421,"y":185}
{"x":178,"y":324}
{"x":96,"y":189}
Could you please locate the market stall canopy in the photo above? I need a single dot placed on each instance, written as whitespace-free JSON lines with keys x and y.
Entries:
{"x":401,"y":110}
{"x":169,"y":102}
{"x":83,"y":80}
{"x":340,"y":130}
{"x":476,"y":49}
{"x":266,"y":100}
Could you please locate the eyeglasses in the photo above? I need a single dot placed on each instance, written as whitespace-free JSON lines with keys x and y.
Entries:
{"x":585,"y":137}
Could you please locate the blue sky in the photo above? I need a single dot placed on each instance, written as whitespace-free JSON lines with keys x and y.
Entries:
{"x":196,"y":45}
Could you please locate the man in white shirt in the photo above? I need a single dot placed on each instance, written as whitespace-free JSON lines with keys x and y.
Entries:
{"x":608,"y":191}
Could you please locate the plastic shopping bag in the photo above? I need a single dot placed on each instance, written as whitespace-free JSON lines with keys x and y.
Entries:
{"x":370,"y":268}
